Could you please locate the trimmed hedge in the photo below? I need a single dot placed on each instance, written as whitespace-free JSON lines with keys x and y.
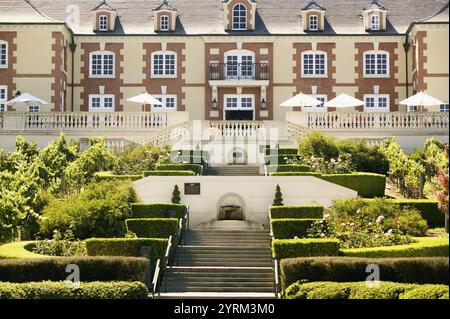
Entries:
{"x":61,"y":290}
{"x":196,"y":168}
{"x":280,"y":159}
{"x":303,"y":211}
{"x":433,"y":270}
{"x":126,"y":247}
{"x":91,"y":269}
{"x":281,"y":151}
{"x":360,"y":290}
{"x":153,"y":227}
{"x":315,"y":174}
{"x":423,"y":247}
{"x":291,"y":248}
{"x":428,"y":209}
{"x":144,"y":210}
{"x":169,"y":173}
{"x":288,"y":168}
{"x":288,"y":228}
{"x":109,"y":176}
{"x":366,"y":184}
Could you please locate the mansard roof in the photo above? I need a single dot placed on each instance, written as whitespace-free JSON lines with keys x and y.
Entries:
{"x":205,"y":17}
{"x":104,"y":5}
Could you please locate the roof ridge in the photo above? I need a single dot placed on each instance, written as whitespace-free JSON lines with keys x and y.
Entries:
{"x":444,"y":7}
{"x":35,"y":8}
{"x":104,"y":2}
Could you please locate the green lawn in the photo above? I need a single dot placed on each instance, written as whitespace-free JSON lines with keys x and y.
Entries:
{"x":18,"y":250}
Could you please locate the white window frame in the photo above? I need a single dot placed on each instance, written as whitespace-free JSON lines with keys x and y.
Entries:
{"x":102,"y":108}
{"x":375,"y":22}
{"x":317,"y":108}
{"x":5,"y":45}
{"x":315,"y":69}
{"x":239,"y":25}
{"x":444,"y":107}
{"x":377,"y":107}
{"x":3,"y":100}
{"x":33,"y":108}
{"x":313,"y":22}
{"x":377,"y":75}
{"x":240,"y":70}
{"x":103,"y":23}
{"x":163,"y":99}
{"x":102,"y":68}
{"x":165,"y":69}
{"x":239,"y":98}
{"x":164,"y":21}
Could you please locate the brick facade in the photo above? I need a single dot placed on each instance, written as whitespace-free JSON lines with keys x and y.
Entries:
{"x":7,"y":75}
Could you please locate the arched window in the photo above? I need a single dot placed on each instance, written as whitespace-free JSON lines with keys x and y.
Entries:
{"x":164,"y":64}
{"x":103,"y":23}
{"x":314,"y":64}
{"x":376,"y":64}
{"x":239,"y":17}
{"x":313,"y":23}
{"x":164,"y":23}
{"x":102,"y":64}
{"x":3,"y":54}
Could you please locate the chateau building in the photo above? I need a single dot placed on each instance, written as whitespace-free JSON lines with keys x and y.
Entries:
{"x":222,"y":60}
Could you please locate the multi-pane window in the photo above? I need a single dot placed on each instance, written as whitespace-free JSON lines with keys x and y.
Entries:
{"x":239,"y":66}
{"x":3,"y":98}
{"x":103,"y":23}
{"x":443,"y":108}
{"x":376,"y":64}
{"x":313,"y":23}
{"x":33,"y":108}
{"x":239,"y":102}
{"x":376,"y":103}
{"x":239,"y":17}
{"x":164,"y":23}
{"x":3,"y":54}
{"x":375,"y":22}
{"x":314,"y":64}
{"x":164,"y":64}
{"x":169,"y":103}
{"x":101,"y":103}
{"x":102,"y":64}
{"x":317,"y":108}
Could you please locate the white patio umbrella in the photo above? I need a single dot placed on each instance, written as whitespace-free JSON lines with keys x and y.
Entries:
{"x":421,"y":99}
{"x":145,"y":99}
{"x":344,"y":100}
{"x":301,"y":100}
{"x":26,"y":98}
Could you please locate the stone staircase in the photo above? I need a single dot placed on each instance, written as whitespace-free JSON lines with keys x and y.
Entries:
{"x":233,"y":170}
{"x":215,"y":263}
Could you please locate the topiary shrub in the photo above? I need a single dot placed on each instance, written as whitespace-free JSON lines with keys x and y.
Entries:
{"x":145,"y":210}
{"x":291,"y":248}
{"x":303,"y":211}
{"x":153,"y":227}
{"x":169,"y":173}
{"x":196,"y":168}
{"x":366,"y":184}
{"x":290,"y":228}
{"x":278,"y":200}
{"x":176,"y":199}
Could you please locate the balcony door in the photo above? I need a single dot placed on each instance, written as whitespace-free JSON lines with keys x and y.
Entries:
{"x":239,"y":107}
{"x":239,"y":64}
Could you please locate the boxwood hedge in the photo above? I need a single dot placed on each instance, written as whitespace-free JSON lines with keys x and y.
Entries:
{"x":315,"y":174}
{"x":366,"y":184}
{"x":196,"y":168}
{"x":109,"y":176}
{"x":287,"y":228}
{"x":306,"y":247}
{"x":428,"y":209}
{"x":280,"y":159}
{"x":61,"y":290}
{"x":288,"y":168}
{"x":169,"y":173}
{"x":360,"y":290}
{"x":281,"y":151}
{"x":302,"y":211}
{"x":144,"y":210}
{"x":153,"y":227}
{"x":91,"y":269}
{"x":432,"y":270}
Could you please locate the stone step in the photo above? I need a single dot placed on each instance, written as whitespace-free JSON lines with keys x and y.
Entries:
{"x":220,"y":276}
{"x":218,"y":289}
{"x":218,"y":269}
{"x":216,"y":295}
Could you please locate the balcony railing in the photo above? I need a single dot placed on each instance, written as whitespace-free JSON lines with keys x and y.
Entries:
{"x":236,"y":129}
{"x":239,"y":71}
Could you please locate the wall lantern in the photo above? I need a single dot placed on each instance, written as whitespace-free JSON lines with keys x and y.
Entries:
{"x":214,"y":103}
{"x":263,"y":103}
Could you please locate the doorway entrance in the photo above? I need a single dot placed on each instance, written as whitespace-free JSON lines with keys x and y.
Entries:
{"x":231,"y":207}
{"x":239,"y":107}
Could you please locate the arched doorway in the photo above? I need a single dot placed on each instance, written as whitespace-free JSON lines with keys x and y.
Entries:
{"x":237,"y":156}
{"x":231,"y":207}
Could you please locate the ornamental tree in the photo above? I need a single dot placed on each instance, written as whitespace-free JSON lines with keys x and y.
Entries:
{"x":442,"y":194}
{"x":278,"y":201}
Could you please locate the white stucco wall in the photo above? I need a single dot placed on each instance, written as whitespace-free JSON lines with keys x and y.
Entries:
{"x":257,"y":193}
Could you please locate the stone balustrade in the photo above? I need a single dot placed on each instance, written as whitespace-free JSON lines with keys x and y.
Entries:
{"x":235,"y":129}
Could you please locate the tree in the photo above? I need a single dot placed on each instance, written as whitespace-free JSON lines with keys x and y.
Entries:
{"x":278,"y":201}
{"x":176,"y":199}
{"x":443,"y":193}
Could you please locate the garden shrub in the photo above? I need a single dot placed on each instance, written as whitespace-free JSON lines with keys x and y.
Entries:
{"x":303,"y":211}
{"x":283,"y":159}
{"x":366,"y":184}
{"x":315,"y":174}
{"x":196,"y":168}
{"x":290,"y":228}
{"x":288,"y":168}
{"x":428,"y":209}
{"x":291,"y":248}
{"x":431,"y":270}
{"x":61,"y":290}
{"x":91,"y":269}
{"x":153,"y":227}
{"x":144,"y":210}
{"x":281,"y":151}
{"x":99,"y":211}
{"x":360,"y":290}
{"x":110,"y":176}
{"x":190,"y":157}
{"x":423,"y":247}
{"x":136,"y":159}
{"x":169,"y":173}
{"x":318,"y":145}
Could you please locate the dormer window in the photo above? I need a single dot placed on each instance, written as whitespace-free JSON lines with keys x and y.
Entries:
{"x":164,"y":17}
{"x":375,"y":16}
{"x":375,"y":22}
{"x":164,"y":23}
{"x":239,"y":17}
{"x":103,"y":23}
{"x":313,"y":23}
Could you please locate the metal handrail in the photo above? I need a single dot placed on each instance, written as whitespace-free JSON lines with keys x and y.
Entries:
{"x":239,"y":71}
{"x":156,"y":277}
{"x":276,"y":284}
